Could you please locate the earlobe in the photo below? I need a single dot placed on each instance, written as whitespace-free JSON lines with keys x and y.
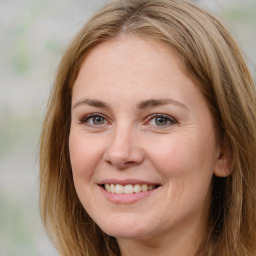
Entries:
{"x":223,"y":165}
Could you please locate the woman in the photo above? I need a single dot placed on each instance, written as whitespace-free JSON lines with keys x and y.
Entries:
{"x":149,"y":141}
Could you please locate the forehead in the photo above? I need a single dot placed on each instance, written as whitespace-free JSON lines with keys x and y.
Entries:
{"x":130,"y":45}
{"x":131,"y":59}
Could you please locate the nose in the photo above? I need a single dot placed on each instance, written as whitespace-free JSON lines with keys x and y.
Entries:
{"x":124,"y":149}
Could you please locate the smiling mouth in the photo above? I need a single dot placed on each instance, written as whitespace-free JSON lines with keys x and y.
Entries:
{"x":128,"y":189}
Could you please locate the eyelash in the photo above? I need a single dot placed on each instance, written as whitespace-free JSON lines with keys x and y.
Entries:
{"x":85,"y":119}
{"x":167,"y":118}
{"x":170,"y":121}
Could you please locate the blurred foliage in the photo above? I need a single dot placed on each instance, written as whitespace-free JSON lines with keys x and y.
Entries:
{"x":15,"y":234}
{"x":243,"y":13}
{"x":19,"y":213}
{"x":20,"y":58}
{"x":18,"y":132}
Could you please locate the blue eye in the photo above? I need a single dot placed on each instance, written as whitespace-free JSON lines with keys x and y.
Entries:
{"x":94,"y":120}
{"x":161,"y":120}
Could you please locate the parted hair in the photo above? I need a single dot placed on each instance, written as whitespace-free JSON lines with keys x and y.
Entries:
{"x":213,"y":60}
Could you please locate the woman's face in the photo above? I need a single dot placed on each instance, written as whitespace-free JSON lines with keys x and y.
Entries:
{"x":142,"y":141}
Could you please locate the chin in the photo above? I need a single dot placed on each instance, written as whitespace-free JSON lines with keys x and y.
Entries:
{"x":124,"y":228}
{"x":126,"y":234}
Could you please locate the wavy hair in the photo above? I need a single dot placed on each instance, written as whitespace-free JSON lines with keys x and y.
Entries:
{"x":214,"y":61}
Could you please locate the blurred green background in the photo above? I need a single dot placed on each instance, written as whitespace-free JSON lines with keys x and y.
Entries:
{"x":33,"y":37}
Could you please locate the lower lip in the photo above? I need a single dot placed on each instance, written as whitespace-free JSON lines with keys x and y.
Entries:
{"x":126,"y":198}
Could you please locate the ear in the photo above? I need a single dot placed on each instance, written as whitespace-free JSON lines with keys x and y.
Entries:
{"x":223,"y":165}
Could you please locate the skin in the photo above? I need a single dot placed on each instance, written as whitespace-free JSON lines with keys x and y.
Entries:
{"x":126,"y":142}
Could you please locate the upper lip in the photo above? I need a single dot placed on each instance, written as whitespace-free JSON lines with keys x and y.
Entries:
{"x":126,"y":182}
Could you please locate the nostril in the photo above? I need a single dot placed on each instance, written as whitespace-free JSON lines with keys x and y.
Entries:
{"x":123,"y":154}
{"x":129,"y":163}
{"x":121,"y":165}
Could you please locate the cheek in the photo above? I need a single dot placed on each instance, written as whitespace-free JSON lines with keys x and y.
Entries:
{"x":186,"y":162}
{"x":171,"y":155}
{"x":77,"y":153}
{"x":184,"y":152}
{"x":186,"y":165}
{"x":84,"y":155}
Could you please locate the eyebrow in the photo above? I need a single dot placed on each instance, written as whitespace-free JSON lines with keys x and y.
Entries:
{"x":145,"y":104}
{"x":94,"y":103}
{"x":159,"y":102}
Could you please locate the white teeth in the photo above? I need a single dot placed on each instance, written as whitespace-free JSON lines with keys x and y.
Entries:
{"x":144,"y":188}
{"x":107,"y":187}
{"x":128,"y":189}
{"x":119,"y":189}
{"x":112,"y":188}
{"x":137,"y":188}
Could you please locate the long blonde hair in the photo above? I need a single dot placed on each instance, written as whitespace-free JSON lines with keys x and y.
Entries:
{"x":214,"y":61}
